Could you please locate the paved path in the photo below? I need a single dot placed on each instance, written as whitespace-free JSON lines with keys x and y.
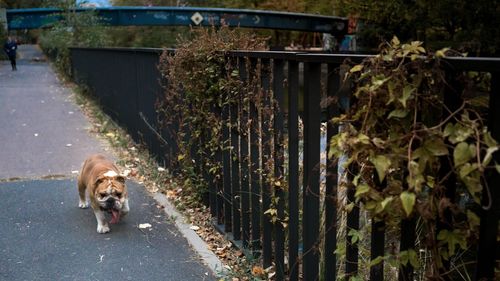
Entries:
{"x":43,"y":234}
{"x":43,"y":133}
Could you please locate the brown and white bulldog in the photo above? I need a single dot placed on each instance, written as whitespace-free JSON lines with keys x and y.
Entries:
{"x":105,"y":185}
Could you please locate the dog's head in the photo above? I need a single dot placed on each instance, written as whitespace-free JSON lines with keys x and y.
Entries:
{"x":110,"y":191}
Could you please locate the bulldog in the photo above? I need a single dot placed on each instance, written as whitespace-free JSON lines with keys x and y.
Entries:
{"x":106,"y":188}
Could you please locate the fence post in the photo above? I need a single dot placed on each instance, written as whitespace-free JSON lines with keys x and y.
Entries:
{"x":245,"y":188}
{"x":265,"y":124}
{"x":333,"y":86}
{"x":351,"y":257}
{"x":255,"y":178}
{"x":293,"y":169}
{"x":279,"y":107}
{"x":235,"y":163}
{"x":311,"y":194}
{"x":226,"y":168}
{"x":213,"y":179}
{"x":218,"y":179}
{"x":452,"y":101}
{"x":408,"y":227}
{"x":490,"y":211}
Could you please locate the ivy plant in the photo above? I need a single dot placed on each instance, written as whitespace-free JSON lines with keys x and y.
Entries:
{"x":201,"y":81}
{"x":407,"y":148}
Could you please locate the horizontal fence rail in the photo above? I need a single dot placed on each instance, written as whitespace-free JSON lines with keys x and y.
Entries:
{"x":288,"y":139}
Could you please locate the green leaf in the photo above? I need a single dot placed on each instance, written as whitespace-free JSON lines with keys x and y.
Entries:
{"x":361,"y":189}
{"x":349,"y":207}
{"x":386,"y":201}
{"x":473,"y":184}
{"x":463,"y":152}
{"x":442,"y":53}
{"x":404,"y":257}
{"x":436,"y":147}
{"x":378,"y":81}
{"x":235,"y":73}
{"x":430,"y":181}
{"x":489,"y":140}
{"x":452,"y":238}
{"x":458,"y":133}
{"x":364,"y":139}
{"x":449,"y":130}
{"x":466,"y":169}
{"x":355,"y":235}
{"x":271,"y":212}
{"x":356,"y":68}
{"x":382,"y":165}
{"x":378,"y":142}
{"x":370,"y":205}
{"x":409,"y":256}
{"x":376,"y":260}
{"x":489,"y":155}
{"x":340,"y":251}
{"x":407,"y":90}
{"x":473,"y":219}
{"x":408,"y":201}
{"x":395,"y":42}
{"x":414,"y":261}
{"x":398,"y":113}
{"x":390,"y":88}
{"x":356,"y":278}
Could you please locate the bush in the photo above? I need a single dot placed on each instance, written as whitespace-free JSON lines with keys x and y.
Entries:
{"x":407,"y":147}
{"x":3,"y":39}
{"x":75,"y":30}
{"x":200,"y":83}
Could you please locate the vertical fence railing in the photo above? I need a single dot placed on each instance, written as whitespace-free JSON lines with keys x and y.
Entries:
{"x":331,"y":198}
{"x":270,"y":194}
{"x":311,"y":166}
{"x":293,"y":170}
{"x":279,"y":193}
{"x":244,"y":156}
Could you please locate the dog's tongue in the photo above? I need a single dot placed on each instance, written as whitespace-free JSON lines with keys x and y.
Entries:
{"x":115,"y":216}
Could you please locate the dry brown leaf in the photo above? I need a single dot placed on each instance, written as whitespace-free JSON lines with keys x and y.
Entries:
{"x":258,"y":271}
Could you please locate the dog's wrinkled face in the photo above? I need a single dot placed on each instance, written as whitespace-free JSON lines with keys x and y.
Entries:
{"x":110,"y":191}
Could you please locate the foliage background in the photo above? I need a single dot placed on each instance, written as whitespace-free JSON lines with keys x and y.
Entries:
{"x":466,"y":26}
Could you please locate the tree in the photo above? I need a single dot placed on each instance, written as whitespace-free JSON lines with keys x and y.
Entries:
{"x":469,"y":26}
{"x":19,"y":4}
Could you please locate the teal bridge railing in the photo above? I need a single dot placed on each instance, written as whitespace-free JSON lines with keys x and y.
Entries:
{"x":184,"y":16}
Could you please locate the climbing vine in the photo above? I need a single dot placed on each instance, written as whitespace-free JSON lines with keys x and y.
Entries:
{"x":201,"y":81}
{"x":413,"y":154}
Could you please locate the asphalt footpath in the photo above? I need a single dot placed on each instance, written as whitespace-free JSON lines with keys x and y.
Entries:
{"x":43,"y":233}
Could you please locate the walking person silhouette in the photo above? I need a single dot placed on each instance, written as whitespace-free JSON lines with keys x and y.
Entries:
{"x":10,"y":48}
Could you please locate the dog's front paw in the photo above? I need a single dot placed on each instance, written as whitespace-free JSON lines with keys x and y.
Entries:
{"x":83,"y":204}
{"x":103,"y":229}
{"x":125,"y":208}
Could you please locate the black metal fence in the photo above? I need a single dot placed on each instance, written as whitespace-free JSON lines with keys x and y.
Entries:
{"x":127,"y":83}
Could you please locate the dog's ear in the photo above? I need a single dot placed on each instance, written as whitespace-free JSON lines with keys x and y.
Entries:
{"x":121,"y":179}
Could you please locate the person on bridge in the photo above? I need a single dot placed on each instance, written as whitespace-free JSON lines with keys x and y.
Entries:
{"x":10,"y":48}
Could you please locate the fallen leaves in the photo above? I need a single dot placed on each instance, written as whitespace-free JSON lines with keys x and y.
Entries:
{"x":258,"y":271}
{"x":194,"y":227}
{"x":144,"y":225}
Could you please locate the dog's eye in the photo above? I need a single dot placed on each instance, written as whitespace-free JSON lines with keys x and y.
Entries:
{"x":119,"y":194}
{"x":102,"y":194}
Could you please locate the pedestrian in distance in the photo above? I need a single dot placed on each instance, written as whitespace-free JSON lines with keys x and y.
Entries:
{"x":10,"y":48}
